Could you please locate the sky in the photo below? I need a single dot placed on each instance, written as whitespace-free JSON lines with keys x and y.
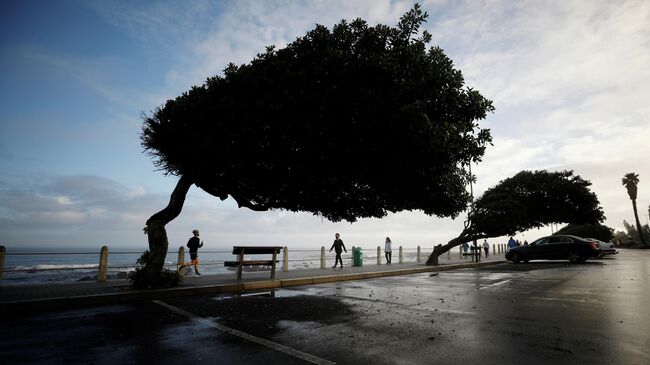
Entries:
{"x":570,"y":81}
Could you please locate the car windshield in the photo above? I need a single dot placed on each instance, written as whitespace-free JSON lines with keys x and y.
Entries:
{"x":539,"y":241}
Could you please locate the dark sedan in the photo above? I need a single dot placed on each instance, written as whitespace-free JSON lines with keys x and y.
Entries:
{"x":557,"y":247}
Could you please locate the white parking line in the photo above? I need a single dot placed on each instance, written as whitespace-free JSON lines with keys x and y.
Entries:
{"x":495,"y":284}
{"x":270,"y":344}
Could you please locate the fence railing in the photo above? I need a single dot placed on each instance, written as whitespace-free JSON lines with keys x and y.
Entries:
{"x":309,"y":258}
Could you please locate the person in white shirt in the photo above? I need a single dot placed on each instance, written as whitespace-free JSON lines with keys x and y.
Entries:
{"x":486,"y":247}
{"x":388,"y":250}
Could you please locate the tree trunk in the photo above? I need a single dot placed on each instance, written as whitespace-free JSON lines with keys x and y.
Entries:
{"x":155,"y":228}
{"x":638,"y":223}
{"x":441,"y":249}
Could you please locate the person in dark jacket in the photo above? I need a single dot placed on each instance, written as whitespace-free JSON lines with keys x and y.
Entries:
{"x":193,"y":244}
{"x":338,"y":246}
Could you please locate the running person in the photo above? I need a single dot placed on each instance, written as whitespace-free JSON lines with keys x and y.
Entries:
{"x":193,"y":244}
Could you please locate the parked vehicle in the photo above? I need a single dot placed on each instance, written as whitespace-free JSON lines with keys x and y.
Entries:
{"x":556,"y":247}
{"x":607,"y":248}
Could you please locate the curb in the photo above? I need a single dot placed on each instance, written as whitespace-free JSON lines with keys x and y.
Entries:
{"x":153,"y":294}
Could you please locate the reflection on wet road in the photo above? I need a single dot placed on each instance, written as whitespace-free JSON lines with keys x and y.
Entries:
{"x":536,"y":313}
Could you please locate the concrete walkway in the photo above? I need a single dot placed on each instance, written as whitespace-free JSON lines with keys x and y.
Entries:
{"x":25,"y":298}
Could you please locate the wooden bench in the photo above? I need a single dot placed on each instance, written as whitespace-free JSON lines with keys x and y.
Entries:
{"x":242,"y":251}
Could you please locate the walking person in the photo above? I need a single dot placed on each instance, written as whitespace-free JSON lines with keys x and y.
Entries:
{"x":511,"y":243}
{"x":388,"y":251}
{"x":486,"y":248}
{"x":465,"y":247}
{"x":193,"y":244}
{"x":338,"y":247}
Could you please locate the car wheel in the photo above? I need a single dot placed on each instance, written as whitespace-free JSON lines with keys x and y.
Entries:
{"x":525,"y":261}
{"x":576,"y":257}
{"x":515,"y":258}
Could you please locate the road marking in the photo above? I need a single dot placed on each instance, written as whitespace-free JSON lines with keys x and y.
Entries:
{"x":495,"y":284}
{"x":455,"y":312}
{"x":270,"y":344}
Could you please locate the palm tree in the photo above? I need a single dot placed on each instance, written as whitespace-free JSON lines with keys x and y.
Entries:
{"x":630,"y":181}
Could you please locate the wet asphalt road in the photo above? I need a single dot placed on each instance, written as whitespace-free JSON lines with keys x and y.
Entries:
{"x":536,"y":313}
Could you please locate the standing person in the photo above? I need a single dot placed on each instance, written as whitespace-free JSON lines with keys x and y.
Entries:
{"x":388,"y":251}
{"x":465,"y":247}
{"x":194,"y":243}
{"x":511,"y":243}
{"x":486,"y":247}
{"x":338,"y":246}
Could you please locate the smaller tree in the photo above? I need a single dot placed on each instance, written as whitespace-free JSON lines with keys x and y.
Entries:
{"x":621,"y":238}
{"x":597,"y":231}
{"x":525,"y":201}
{"x":634,"y":235}
{"x":631,"y":182}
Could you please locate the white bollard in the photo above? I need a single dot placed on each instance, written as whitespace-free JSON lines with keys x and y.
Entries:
{"x":285,"y":259}
{"x":418,"y":259}
{"x":322,"y":257}
{"x":401,"y":255}
{"x":3,"y":253}
{"x":378,"y":255}
{"x":103,"y":264}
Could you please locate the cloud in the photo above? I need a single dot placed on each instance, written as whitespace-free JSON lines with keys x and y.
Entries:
{"x":569,"y":81}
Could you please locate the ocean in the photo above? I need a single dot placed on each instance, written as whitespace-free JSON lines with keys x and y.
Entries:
{"x":64,"y":266}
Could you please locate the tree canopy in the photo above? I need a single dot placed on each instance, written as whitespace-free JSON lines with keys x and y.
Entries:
{"x":529,"y":199}
{"x":597,"y":231}
{"x":345,"y":123}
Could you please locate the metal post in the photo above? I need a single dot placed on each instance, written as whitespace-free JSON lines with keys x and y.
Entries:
{"x":181,"y":256}
{"x":449,"y":255}
{"x":285,"y":259}
{"x":322,"y":257}
{"x":401,"y":255}
{"x":378,"y":255}
{"x":103,"y":264}
{"x":3,"y":253}
{"x":460,"y":251}
{"x":352,"y":257}
{"x":418,"y":259}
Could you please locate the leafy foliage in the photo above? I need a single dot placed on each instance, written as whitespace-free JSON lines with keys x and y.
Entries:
{"x":533,"y":200}
{"x":164,"y":279}
{"x":632,"y":235}
{"x":597,"y":231}
{"x":344,"y":123}
{"x":525,"y":201}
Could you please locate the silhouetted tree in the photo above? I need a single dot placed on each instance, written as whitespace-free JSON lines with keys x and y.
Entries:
{"x":634,"y":235}
{"x":348,"y":123}
{"x":631,"y":182}
{"x":597,"y":231}
{"x":525,"y":201}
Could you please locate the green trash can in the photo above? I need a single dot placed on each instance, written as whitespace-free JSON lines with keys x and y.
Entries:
{"x":357,"y":256}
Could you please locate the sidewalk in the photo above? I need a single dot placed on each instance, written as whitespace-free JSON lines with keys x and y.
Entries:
{"x":25,"y":298}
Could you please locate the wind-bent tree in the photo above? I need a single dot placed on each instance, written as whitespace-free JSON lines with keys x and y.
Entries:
{"x":631,"y":181}
{"x":346,"y":123}
{"x":525,"y":201}
{"x":597,"y":231}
